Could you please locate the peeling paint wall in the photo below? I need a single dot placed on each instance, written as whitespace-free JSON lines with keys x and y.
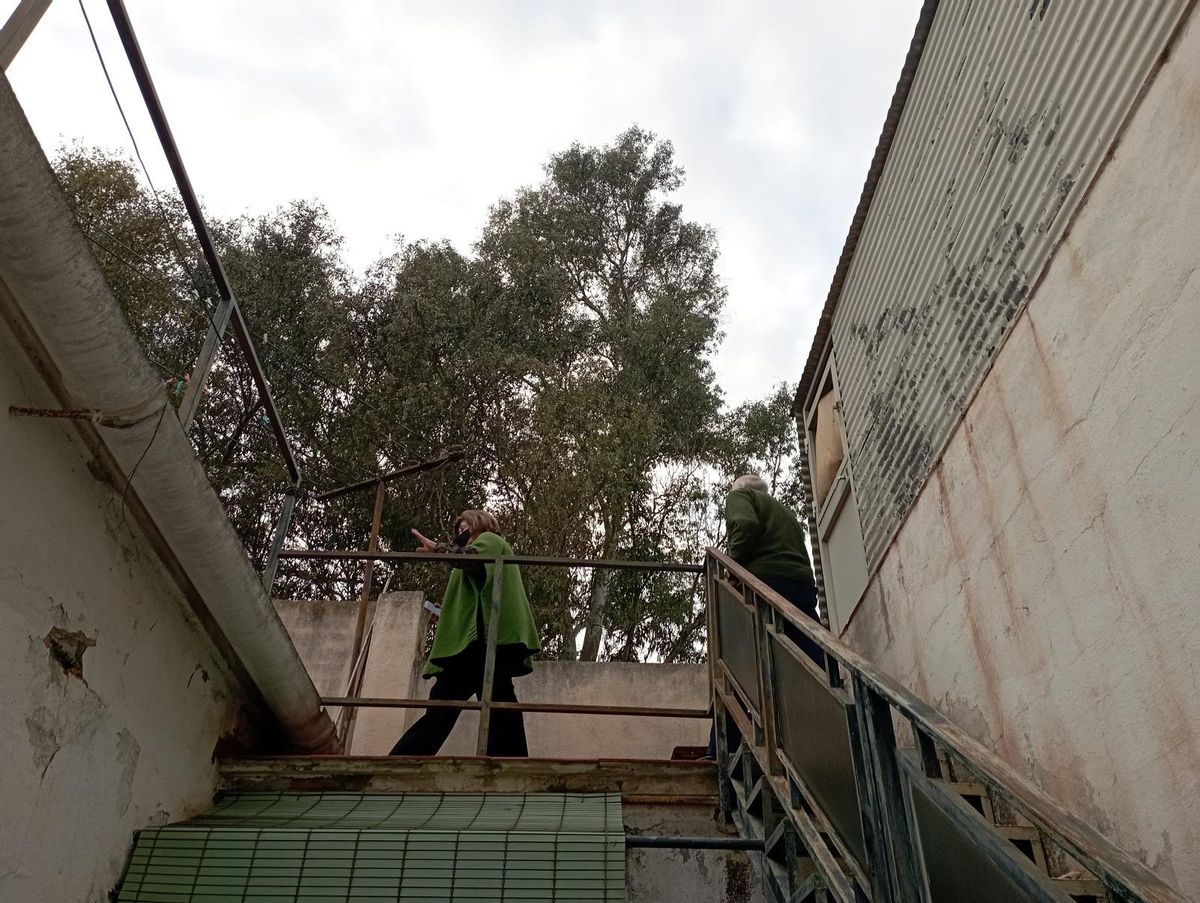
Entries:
{"x":111,"y":697}
{"x":1043,"y":590}
{"x":685,"y":876}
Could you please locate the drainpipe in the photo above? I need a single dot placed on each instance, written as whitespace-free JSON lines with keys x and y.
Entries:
{"x":54,"y":296}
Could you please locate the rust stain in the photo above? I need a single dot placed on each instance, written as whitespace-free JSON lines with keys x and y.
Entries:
{"x":1030,"y":643}
{"x":989,"y":674}
{"x":1172,"y":696}
{"x":1027,"y":503}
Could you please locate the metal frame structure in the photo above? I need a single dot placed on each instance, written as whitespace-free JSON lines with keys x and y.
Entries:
{"x":811,"y":762}
{"x":813,"y":768}
{"x":486,"y":705}
{"x":227,"y":313}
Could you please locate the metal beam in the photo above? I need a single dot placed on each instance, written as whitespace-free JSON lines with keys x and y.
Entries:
{"x":448,"y":457}
{"x":644,"y":841}
{"x":229,"y":309}
{"x":523,"y":560}
{"x":18,"y":28}
{"x":489,"y":660}
{"x":386,"y":702}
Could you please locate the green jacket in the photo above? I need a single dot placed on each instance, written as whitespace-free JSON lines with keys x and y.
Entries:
{"x":765,"y":537}
{"x":465,"y":596}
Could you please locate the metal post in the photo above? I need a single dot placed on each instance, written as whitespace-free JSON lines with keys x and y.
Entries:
{"x":725,"y":795}
{"x":489,"y":661}
{"x":281,"y":529}
{"x":766,"y":685}
{"x":364,"y":598}
{"x":204,"y":362}
{"x":18,"y":28}
{"x":895,"y":875}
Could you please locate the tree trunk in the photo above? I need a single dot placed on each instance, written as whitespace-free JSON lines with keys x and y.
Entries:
{"x":569,"y":646}
{"x":595,"y":625}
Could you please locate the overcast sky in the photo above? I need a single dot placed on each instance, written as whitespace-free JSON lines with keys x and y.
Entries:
{"x":412,"y":118}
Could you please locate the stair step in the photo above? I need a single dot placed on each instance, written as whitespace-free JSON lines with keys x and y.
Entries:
{"x":1080,"y":887}
{"x":975,"y":795}
{"x":1026,"y":839}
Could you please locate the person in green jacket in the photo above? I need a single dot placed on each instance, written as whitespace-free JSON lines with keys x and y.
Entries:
{"x":767,"y":539}
{"x":456,"y":659}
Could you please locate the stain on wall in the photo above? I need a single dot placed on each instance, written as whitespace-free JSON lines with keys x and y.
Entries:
{"x":1011,"y":113}
{"x":1042,"y":590}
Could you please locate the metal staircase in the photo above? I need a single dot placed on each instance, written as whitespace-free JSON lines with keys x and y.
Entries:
{"x":859,"y":790}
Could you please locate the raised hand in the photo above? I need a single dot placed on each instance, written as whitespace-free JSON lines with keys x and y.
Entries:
{"x":425,"y":543}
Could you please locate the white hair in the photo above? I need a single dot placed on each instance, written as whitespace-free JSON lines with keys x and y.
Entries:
{"x":751,"y":481}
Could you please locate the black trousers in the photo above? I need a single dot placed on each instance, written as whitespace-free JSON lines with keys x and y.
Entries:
{"x":804,"y":596}
{"x":462,"y":678}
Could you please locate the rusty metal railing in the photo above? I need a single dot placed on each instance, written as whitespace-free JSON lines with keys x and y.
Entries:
{"x":812,"y":764}
{"x":485,"y":704}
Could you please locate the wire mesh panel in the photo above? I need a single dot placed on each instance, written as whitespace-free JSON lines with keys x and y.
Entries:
{"x":735,"y":622}
{"x":813,"y":725}
{"x":254,"y":848}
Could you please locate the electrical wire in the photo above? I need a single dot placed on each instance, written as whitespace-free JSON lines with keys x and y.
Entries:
{"x":138,"y":152}
{"x":182,"y":257}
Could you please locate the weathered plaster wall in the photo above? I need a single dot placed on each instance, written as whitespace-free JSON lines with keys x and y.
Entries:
{"x":1043,"y":590}
{"x":685,"y":876}
{"x":323,"y":632}
{"x":124,"y":739}
{"x":601,"y":736}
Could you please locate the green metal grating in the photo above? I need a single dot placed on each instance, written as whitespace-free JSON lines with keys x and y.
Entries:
{"x":315,"y":847}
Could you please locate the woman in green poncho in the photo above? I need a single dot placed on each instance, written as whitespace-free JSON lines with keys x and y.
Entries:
{"x":460,"y":643}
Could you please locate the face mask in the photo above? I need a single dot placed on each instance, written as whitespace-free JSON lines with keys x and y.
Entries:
{"x":462,"y":538}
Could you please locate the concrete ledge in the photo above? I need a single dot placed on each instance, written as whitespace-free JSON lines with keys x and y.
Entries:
{"x":639,"y":781}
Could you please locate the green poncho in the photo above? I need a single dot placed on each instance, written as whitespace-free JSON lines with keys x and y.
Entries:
{"x":457,"y":624}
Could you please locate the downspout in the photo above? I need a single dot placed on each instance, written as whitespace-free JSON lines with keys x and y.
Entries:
{"x":55,"y":297}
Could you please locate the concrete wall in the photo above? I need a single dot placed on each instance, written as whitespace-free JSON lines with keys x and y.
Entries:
{"x":323,"y":631}
{"x":685,"y":876}
{"x":1043,"y":590}
{"x":111,"y":696}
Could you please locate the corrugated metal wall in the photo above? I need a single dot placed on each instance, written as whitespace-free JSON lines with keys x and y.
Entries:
{"x":1011,"y":112}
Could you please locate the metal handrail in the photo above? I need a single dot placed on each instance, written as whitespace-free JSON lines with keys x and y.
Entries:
{"x":531,"y":560}
{"x":877,"y":698}
{"x":485,"y":704}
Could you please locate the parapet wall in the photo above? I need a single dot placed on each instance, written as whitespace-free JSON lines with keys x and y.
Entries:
{"x":323,"y":632}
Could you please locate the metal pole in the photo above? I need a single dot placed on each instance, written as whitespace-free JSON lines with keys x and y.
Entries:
{"x":489,"y":661}
{"x":203,"y":365}
{"x":281,"y":529}
{"x":725,"y":792}
{"x":364,"y":599}
{"x":18,"y":28}
{"x":228,"y":310}
{"x":895,"y":873}
{"x":449,"y":457}
{"x":692,"y":843}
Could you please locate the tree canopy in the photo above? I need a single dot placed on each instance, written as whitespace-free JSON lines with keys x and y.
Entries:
{"x":569,"y":351}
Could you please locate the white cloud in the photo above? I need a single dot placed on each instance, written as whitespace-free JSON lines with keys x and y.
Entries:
{"x":413,"y":118}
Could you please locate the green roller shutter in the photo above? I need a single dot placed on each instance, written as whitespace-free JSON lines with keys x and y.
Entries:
{"x":342,"y":847}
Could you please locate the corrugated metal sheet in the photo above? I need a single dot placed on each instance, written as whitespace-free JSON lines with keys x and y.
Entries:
{"x":402,"y":847}
{"x":1010,"y":114}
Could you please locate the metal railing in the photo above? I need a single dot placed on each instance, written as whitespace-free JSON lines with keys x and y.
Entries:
{"x":485,"y":704}
{"x":228,"y":313}
{"x":811,"y":763}
{"x":812,"y":768}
